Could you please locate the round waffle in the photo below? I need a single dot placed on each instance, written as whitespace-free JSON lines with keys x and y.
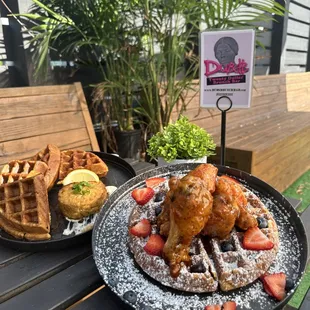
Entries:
{"x":224,"y":270}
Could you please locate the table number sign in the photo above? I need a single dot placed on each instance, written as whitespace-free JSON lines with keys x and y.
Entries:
{"x":226,"y":67}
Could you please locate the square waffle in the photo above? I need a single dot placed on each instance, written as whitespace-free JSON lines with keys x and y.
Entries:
{"x":78,"y":159}
{"x":24,"y":208}
{"x":20,"y":169}
{"x":51,"y":156}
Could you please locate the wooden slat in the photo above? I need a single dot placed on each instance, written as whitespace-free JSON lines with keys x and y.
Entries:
{"x":88,"y":121}
{"x":296,"y":43}
{"x":40,"y":125}
{"x":20,"y":107}
{"x":300,"y":13}
{"x":28,"y":147}
{"x":61,"y":290}
{"x":35,"y":268}
{"x":295,"y":27}
{"x":8,"y":256}
{"x":35,"y":90}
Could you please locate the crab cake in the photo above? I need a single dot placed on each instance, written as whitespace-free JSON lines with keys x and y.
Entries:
{"x":78,"y":200}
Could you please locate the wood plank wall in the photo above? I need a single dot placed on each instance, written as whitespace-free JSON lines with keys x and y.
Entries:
{"x":32,"y":117}
{"x":294,"y":57}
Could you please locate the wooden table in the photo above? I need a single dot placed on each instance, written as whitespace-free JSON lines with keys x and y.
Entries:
{"x":62,"y":279}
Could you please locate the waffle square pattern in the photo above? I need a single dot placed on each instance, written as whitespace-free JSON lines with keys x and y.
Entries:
{"x":24,"y":208}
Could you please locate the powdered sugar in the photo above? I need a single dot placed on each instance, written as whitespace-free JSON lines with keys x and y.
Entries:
{"x":117,"y":266}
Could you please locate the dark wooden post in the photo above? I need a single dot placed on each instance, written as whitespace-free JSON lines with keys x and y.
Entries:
{"x":278,"y":38}
{"x":14,"y":46}
{"x":308,"y":56}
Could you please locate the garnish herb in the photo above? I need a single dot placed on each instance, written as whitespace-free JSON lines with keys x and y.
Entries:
{"x":79,"y":188}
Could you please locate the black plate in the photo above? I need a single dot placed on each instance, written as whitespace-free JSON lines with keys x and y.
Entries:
{"x":119,"y":172}
{"x":118,"y":269}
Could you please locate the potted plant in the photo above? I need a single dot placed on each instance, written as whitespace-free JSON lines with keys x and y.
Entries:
{"x":181,"y":141}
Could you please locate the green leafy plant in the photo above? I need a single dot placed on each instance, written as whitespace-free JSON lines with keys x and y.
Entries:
{"x":181,"y":140}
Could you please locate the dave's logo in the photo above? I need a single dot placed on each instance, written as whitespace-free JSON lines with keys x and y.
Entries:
{"x":225,"y":50}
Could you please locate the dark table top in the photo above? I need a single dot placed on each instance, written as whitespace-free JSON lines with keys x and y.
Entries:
{"x":60,"y":279}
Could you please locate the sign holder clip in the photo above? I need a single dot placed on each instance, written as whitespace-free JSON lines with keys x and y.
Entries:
{"x":223,"y":126}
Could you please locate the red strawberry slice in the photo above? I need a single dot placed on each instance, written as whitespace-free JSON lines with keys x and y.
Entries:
{"x":213,"y":307}
{"x":274,"y":285}
{"x":229,"y":305}
{"x":154,"y":245}
{"x":142,"y":195}
{"x":141,"y":229}
{"x":229,"y":178}
{"x":255,"y":239}
{"x":152,"y":182}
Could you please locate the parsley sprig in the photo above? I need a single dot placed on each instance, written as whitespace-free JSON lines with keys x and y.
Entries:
{"x":79,"y":188}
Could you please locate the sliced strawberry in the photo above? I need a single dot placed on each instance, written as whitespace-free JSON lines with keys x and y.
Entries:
{"x":154,"y":182}
{"x":255,"y":239}
{"x":229,"y":305}
{"x":229,"y":178}
{"x":213,"y":307}
{"x":141,"y":229}
{"x":154,"y":245}
{"x":142,"y":195}
{"x":274,"y":285}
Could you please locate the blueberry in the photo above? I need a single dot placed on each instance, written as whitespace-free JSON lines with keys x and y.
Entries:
{"x":159,"y":196}
{"x":113,"y":280}
{"x":157,"y":210}
{"x":198,"y":268}
{"x":262,"y":222}
{"x":227,"y":246}
{"x":289,"y":284}
{"x":130,"y":296}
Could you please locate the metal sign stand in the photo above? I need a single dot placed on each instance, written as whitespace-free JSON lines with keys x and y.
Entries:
{"x":223,"y":126}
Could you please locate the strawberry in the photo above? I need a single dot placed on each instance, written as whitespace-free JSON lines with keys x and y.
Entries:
{"x":142,"y":195}
{"x":141,"y":229}
{"x":152,"y":182}
{"x":229,"y":305}
{"x":226,"y":177}
{"x":274,"y":285}
{"x":213,"y":307}
{"x":255,"y":239}
{"x":154,"y":245}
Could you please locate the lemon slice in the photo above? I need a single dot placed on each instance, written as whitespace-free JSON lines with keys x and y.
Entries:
{"x":80,"y":175}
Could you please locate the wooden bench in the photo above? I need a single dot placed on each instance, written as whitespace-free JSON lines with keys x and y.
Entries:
{"x":32,"y":117}
{"x":271,"y":140}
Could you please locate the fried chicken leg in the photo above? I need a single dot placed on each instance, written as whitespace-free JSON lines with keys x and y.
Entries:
{"x":189,"y":203}
{"x":229,"y":209}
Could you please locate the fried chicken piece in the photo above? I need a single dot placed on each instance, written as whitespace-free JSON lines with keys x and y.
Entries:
{"x":229,"y":209}
{"x":189,"y":202}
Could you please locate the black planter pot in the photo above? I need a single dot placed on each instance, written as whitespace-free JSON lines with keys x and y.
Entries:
{"x":128,"y":143}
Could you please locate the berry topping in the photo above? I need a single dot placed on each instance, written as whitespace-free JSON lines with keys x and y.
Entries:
{"x":227,"y":246}
{"x":274,"y":285}
{"x":289,"y":285}
{"x":145,"y":307}
{"x":159,"y":196}
{"x":255,"y":239}
{"x":154,"y":182}
{"x":229,"y":305}
{"x":154,"y":245}
{"x":158,"y":210}
{"x":262,"y":222}
{"x":229,"y":178}
{"x":198,"y":268}
{"x":113,"y":280}
{"x":213,"y":307}
{"x":141,"y":229}
{"x":130,"y":296}
{"x":142,"y":195}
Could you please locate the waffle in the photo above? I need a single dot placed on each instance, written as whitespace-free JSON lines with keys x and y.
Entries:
{"x":223,"y":270}
{"x":24,"y":209}
{"x":20,"y":169}
{"x":51,"y":156}
{"x":78,"y":159}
